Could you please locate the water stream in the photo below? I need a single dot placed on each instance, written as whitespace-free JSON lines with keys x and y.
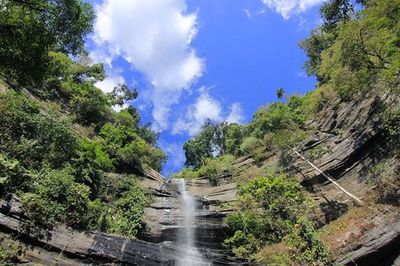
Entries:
{"x":187,"y":234}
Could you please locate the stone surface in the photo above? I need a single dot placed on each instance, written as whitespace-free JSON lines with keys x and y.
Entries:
{"x":68,"y":247}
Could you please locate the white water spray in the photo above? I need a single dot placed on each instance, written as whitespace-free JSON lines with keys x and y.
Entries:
{"x":186,"y":237}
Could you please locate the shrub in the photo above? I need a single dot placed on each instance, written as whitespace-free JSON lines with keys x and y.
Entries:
{"x":56,"y":198}
{"x":90,"y":163}
{"x":365,"y":50}
{"x":185,"y":173}
{"x":130,"y":150}
{"x":128,"y":213}
{"x":250,"y":145}
{"x":275,"y":117}
{"x":268,"y":209}
{"x":214,"y":167}
{"x":307,"y":246}
{"x":32,"y":137}
{"x":12,"y":175}
{"x":90,"y":105}
{"x":10,"y":251}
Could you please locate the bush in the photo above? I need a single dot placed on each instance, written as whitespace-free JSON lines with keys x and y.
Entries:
{"x":268,"y":209}
{"x":275,"y":117}
{"x":214,"y":167}
{"x":56,"y":199}
{"x":90,"y":163}
{"x":12,"y":175}
{"x":307,"y":246}
{"x":90,"y":105}
{"x":32,"y":137}
{"x":365,"y":51}
{"x":127,"y":218}
{"x":251,"y":145}
{"x":185,"y":173}
{"x":130,"y":150}
{"x":10,"y":251}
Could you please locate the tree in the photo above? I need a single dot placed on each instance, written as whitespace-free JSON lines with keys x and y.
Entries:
{"x":122,"y":94}
{"x":335,"y":12}
{"x":30,"y":29}
{"x":208,"y":143}
{"x":313,"y":46}
{"x":279,"y":93}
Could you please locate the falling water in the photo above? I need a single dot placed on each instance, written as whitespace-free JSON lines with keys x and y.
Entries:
{"x":186,"y":238}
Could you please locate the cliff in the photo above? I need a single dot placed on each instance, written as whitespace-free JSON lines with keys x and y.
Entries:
{"x":347,"y":143}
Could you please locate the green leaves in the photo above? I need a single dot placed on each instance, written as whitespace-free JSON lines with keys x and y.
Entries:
{"x":31,"y":137}
{"x":30,"y":29}
{"x":56,"y":199}
{"x":129,"y":216}
{"x":269,"y":207}
{"x":352,"y":53}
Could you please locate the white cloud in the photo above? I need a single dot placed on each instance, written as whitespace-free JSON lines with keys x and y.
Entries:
{"x":154,"y":36}
{"x":204,"y":108}
{"x":287,"y":8}
{"x":236,"y":114}
{"x":108,"y":84}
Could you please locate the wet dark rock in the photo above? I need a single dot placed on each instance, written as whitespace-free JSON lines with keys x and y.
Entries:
{"x":70,"y":247}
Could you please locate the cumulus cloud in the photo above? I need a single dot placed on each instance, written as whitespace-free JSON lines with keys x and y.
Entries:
{"x":236,"y":114}
{"x":205,"y":107}
{"x":154,"y":36}
{"x":287,"y":8}
{"x":107,"y":85}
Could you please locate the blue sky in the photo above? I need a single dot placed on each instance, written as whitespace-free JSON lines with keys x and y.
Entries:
{"x":193,"y":60}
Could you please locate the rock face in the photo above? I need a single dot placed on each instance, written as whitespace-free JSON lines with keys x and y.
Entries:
{"x":347,"y":142}
{"x":68,"y":247}
{"x":158,"y":245}
{"x":164,"y":221}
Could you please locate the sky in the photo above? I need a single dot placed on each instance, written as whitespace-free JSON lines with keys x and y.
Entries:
{"x":196,"y":60}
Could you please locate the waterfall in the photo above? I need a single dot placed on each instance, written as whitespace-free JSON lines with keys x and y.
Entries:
{"x":186,"y":237}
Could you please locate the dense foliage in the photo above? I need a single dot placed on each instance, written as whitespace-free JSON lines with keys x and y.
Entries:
{"x":352,"y":51}
{"x":64,"y":151}
{"x":30,"y":29}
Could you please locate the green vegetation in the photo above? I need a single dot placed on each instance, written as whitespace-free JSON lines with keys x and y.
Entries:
{"x":60,"y":139}
{"x":31,"y":29}
{"x":353,"y":52}
{"x":213,"y":140}
{"x":10,"y":251}
{"x":212,"y":168}
{"x":274,"y":126}
{"x":268,"y":209}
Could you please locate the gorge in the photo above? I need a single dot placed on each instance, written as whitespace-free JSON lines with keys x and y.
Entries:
{"x":310,"y":179}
